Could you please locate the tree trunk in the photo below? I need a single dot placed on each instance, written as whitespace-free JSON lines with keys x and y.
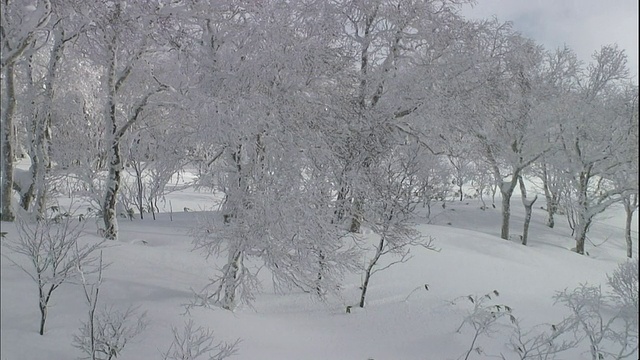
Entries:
{"x":42,"y":305}
{"x":231,"y":280}
{"x":41,"y":161}
{"x":109,"y":213}
{"x":506,"y":215}
{"x":140,"y":184}
{"x":583,"y":220}
{"x":581,"y":235}
{"x":367,"y":275}
{"x":7,"y":144}
{"x":528,"y":207}
{"x":551,"y":198}
{"x":321,"y":269}
{"x":630,"y":204}
{"x":38,"y":151}
{"x":506,"y":190}
{"x":341,"y":204}
{"x":356,"y":217}
{"x":43,"y":318}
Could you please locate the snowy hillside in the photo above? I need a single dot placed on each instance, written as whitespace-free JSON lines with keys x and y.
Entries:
{"x":152,"y":267}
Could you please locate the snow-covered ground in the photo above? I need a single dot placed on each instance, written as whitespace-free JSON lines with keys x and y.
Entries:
{"x":153,"y":267}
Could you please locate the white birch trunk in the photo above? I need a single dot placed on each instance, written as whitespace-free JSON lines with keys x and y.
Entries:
{"x":109,"y":215}
{"x":7,"y":143}
{"x":630,"y":205}
{"x":528,"y":207}
{"x":506,"y":190}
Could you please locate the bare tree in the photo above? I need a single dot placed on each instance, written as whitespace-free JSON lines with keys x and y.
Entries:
{"x":51,"y":246}
{"x":482,"y":318}
{"x":396,"y":186}
{"x":108,"y":331}
{"x":197,"y":343}
{"x":609,"y":320}
{"x":544,"y":341}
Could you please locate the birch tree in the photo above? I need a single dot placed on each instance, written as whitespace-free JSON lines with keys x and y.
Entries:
{"x":591,"y":141}
{"x":397,"y":187}
{"x":505,"y":121}
{"x":42,"y":86}
{"x":561,"y":69}
{"x":124,"y":38}
{"x":265,"y":107}
{"x":20,"y":26}
{"x":389,"y":46}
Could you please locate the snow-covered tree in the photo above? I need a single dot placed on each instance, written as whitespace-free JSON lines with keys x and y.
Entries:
{"x":21,"y":26}
{"x":395,"y":51}
{"x":277,"y":200}
{"x":125,"y":42}
{"x":593,"y":137}
{"x":503,"y":107}
{"x":42,"y":81}
{"x":396,"y":186}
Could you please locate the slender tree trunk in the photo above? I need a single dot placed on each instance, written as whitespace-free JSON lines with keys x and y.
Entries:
{"x":551,"y":198}
{"x":43,"y":304}
{"x":630,"y":204}
{"x":321,"y":269}
{"x":43,"y":318}
{"x":367,"y":275}
{"x":231,"y":279}
{"x":8,"y":143}
{"x":140,"y":184}
{"x":109,"y":213}
{"x":494,"y":190}
{"x":528,"y":207}
{"x":583,"y":220}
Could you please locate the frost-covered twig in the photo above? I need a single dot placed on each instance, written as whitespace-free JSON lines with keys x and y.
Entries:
{"x":51,"y":245}
{"x":195,"y":343}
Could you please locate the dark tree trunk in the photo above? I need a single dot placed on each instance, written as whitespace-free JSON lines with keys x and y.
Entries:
{"x":231,"y":280}
{"x":506,"y":215}
{"x":109,"y":213}
{"x":367,"y":275}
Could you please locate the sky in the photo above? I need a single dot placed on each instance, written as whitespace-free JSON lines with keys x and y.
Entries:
{"x":583,"y":25}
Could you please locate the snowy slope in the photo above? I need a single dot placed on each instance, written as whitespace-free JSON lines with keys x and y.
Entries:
{"x":153,"y":267}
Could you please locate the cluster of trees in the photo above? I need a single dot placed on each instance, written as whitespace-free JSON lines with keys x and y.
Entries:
{"x":313,"y":118}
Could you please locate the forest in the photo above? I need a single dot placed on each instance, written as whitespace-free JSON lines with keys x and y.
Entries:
{"x":311,"y":123}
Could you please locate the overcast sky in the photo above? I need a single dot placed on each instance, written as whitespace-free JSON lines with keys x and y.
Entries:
{"x":583,"y":25}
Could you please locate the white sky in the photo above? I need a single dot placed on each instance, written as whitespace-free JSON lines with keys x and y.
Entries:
{"x":583,"y":25}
